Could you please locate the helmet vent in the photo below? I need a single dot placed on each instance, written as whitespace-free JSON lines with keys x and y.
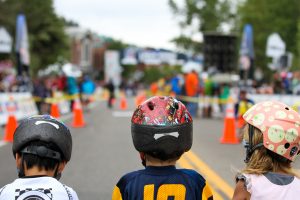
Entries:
{"x":293,"y":151}
{"x":286,"y":108}
{"x":150,"y":105}
{"x":176,"y":106}
{"x":286,"y":145}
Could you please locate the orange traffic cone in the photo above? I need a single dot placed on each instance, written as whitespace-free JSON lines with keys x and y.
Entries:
{"x":78,"y":120}
{"x":54,"y":110}
{"x":229,"y":133}
{"x":10,"y":128}
{"x":140,"y":99}
{"x":240,"y":122}
{"x":123,"y":103}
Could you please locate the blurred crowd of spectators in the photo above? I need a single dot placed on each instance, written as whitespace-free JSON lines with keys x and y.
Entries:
{"x":44,"y":87}
{"x":194,"y":84}
{"x":190,"y":84}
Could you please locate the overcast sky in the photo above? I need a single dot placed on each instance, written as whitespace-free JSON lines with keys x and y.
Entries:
{"x":140,"y":22}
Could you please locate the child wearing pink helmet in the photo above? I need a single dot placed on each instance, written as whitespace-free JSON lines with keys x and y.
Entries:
{"x":271,"y":139}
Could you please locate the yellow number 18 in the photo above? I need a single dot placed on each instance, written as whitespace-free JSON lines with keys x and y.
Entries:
{"x":164,"y":191}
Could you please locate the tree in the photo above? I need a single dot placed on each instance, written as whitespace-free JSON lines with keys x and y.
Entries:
{"x":184,"y":42}
{"x":199,"y":16}
{"x":298,"y":46}
{"x":48,"y":41}
{"x":118,"y":45}
{"x":267,"y":17}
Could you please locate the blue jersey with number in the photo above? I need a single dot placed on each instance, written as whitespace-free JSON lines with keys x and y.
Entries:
{"x":162,"y":183}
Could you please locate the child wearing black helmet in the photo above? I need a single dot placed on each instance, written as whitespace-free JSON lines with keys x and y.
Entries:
{"x":42,"y":146}
{"x":162,"y":130}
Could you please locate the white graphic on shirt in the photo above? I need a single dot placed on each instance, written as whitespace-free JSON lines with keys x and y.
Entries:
{"x":38,"y":194}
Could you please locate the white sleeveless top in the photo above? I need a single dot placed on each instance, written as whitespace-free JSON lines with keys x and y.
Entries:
{"x":272,"y":186}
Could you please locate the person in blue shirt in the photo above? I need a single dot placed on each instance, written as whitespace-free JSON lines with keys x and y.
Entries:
{"x":162,"y":130}
{"x":87,"y":89}
{"x":72,"y":89}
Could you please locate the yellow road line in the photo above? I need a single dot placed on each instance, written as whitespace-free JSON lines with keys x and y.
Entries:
{"x":184,"y":163}
{"x":210,"y":175}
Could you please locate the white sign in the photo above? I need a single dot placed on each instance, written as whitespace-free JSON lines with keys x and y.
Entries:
{"x":5,"y":41}
{"x":157,"y":57}
{"x":275,"y":46}
{"x":112,"y":68}
{"x":130,"y":56}
{"x":149,"y":57}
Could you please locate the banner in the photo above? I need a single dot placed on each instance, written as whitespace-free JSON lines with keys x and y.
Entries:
{"x":21,"y":105}
{"x":247,"y":48}
{"x":157,"y":57}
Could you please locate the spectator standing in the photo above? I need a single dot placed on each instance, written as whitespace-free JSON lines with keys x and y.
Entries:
{"x":191,"y":90}
{"x":241,"y":107}
{"x":72,"y":88}
{"x":40,"y":92}
{"x":87,"y":89}
{"x":111,"y":88}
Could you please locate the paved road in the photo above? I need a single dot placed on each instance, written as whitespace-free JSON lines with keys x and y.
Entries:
{"x":103,"y":152}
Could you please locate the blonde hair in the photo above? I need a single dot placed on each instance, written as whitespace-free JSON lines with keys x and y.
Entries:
{"x":261,"y":161}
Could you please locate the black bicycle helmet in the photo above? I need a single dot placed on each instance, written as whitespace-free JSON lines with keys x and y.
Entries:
{"x":46,"y":129}
{"x":162,"y":125}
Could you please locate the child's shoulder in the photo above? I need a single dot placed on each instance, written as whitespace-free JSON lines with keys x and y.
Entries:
{"x":129,"y":176}
{"x":193,"y":174}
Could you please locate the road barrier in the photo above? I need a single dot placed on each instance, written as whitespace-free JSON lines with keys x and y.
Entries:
{"x":291,"y":100}
{"x":21,"y":105}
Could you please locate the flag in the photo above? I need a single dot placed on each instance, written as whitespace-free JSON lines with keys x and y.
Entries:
{"x":22,"y":45}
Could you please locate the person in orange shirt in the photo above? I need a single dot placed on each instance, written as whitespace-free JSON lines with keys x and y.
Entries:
{"x":191,"y":90}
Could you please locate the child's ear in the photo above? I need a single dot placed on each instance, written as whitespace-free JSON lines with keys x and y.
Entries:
{"x":18,"y":160}
{"x":61,"y":166}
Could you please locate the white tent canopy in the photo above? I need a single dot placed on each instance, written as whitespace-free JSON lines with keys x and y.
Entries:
{"x":190,"y":66}
{"x":71,"y":70}
{"x":225,"y":78}
{"x":5,"y":41}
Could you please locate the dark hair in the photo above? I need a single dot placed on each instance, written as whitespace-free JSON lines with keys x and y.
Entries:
{"x":163,"y":156}
{"x":32,"y":160}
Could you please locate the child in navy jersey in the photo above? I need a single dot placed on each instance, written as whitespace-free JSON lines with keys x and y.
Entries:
{"x":162,"y":130}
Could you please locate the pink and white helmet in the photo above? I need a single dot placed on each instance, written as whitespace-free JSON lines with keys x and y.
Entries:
{"x":280,"y":125}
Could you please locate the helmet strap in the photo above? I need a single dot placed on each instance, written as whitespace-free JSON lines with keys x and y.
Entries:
{"x":57,"y":175}
{"x":20,"y":171}
{"x":277,"y":157}
{"x":143,"y":158}
{"x":249,"y":145}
